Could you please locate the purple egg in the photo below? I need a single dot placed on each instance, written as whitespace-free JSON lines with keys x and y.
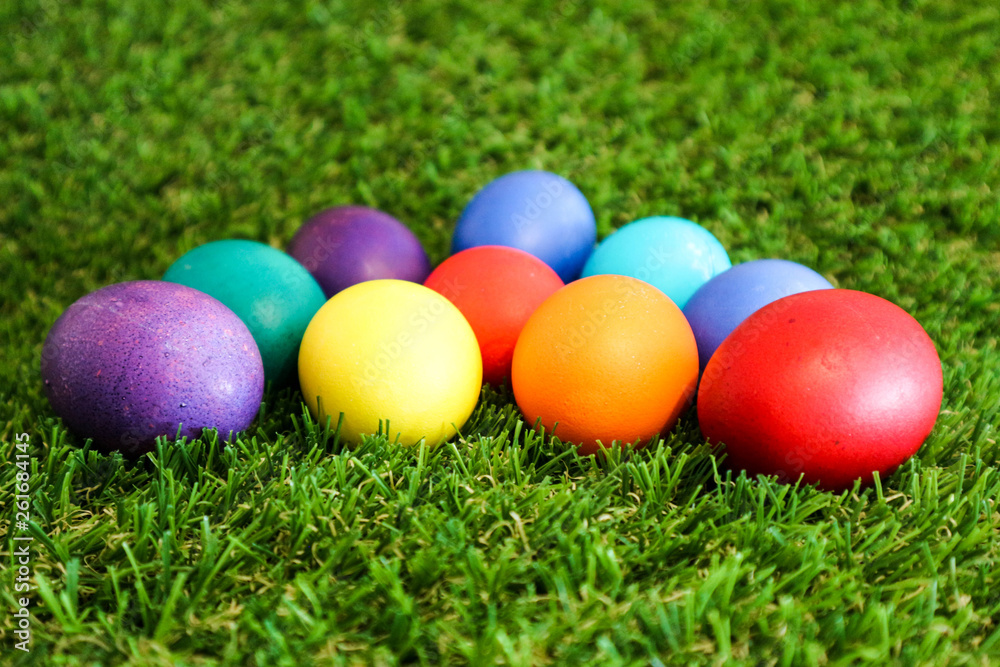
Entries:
{"x":722,"y":303}
{"x":346,"y":245}
{"x":137,"y":360}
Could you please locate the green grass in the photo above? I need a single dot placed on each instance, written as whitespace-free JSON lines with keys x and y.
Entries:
{"x":859,"y":138}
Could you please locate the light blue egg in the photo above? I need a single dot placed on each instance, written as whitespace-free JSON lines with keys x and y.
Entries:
{"x":675,"y":255}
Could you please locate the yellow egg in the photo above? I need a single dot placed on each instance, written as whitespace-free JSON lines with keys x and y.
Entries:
{"x":391,"y":350}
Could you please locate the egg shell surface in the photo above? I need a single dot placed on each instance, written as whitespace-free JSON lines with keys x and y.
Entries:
{"x":497,"y":288}
{"x":675,"y":255}
{"x":723,"y":302}
{"x":347,"y":245}
{"x":136,"y":360}
{"x":605,"y":358}
{"x":273,"y":294}
{"x":391,"y":351}
{"x":536,"y":211}
{"x":832,"y":385}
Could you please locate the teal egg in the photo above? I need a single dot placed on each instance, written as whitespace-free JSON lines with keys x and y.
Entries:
{"x":674,"y":255}
{"x":273,"y":294}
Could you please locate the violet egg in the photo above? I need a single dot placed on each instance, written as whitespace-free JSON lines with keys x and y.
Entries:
{"x":137,"y":360}
{"x":347,"y":245}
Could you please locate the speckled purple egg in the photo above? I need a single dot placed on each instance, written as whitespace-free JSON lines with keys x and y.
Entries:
{"x":137,"y":360}
{"x":346,"y":245}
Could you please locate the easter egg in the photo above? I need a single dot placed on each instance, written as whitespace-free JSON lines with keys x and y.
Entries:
{"x":831,"y":384}
{"x":497,"y":289}
{"x":605,"y":358}
{"x":730,"y":297}
{"x":347,"y":245}
{"x":674,"y":255}
{"x":272,"y":293}
{"x":536,"y":211}
{"x":391,"y":355}
{"x":137,"y":360}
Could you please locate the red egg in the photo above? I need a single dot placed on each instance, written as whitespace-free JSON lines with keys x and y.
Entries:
{"x":497,"y":289}
{"x":832,"y":385}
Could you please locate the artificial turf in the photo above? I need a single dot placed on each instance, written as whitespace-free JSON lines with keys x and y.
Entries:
{"x":860,"y":138}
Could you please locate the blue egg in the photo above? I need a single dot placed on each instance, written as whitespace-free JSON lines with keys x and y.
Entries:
{"x":536,"y":211}
{"x":675,"y":255}
{"x":732,"y":296}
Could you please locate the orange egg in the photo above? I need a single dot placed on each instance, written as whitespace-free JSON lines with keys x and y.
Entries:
{"x":605,"y":358}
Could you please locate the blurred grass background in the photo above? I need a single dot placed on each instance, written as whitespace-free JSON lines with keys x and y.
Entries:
{"x":860,"y":138}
